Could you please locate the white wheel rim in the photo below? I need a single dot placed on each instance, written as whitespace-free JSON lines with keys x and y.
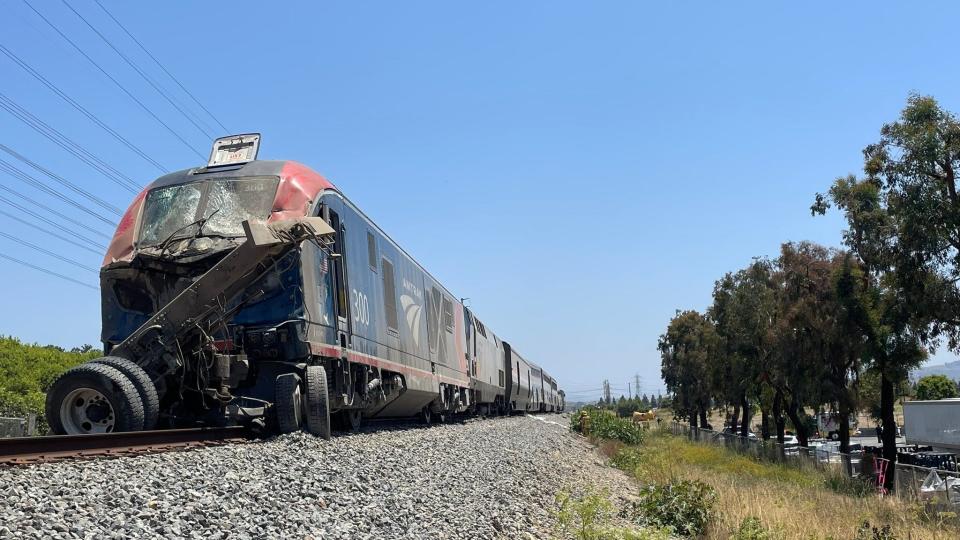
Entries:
{"x":86,"y":410}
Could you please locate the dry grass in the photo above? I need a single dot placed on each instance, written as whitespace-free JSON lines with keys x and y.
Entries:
{"x":794,"y":502}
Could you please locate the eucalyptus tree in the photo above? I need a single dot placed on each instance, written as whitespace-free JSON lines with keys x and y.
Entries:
{"x":916,"y":164}
{"x":688,"y":346}
{"x":802,"y":277}
{"x":903,"y":224}
{"x":744,"y":312}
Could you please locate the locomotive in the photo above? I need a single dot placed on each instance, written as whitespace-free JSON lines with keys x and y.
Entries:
{"x":254,"y":292}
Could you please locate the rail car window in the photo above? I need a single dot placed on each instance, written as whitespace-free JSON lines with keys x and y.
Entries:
{"x":389,"y":295}
{"x":448,"y":314}
{"x":518,"y":378}
{"x":372,"y":251}
{"x":501,"y":378}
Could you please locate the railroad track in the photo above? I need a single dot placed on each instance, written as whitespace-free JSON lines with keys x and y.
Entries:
{"x":30,"y":450}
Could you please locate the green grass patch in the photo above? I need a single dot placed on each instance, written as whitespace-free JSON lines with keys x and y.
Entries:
{"x":663,"y":458}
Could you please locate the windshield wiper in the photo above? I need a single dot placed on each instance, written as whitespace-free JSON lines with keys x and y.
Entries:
{"x":200,"y":222}
{"x":204,"y":222}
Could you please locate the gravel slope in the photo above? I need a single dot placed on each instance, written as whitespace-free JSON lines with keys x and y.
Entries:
{"x":481,"y":479}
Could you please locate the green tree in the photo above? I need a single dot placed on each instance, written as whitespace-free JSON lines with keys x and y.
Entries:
{"x":744,"y":312}
{"x":934,"y":387}
{"x":686,"y":349}
{"x":916,"y":164}
{"x":802,"y":334}
{"x":903,"y":223}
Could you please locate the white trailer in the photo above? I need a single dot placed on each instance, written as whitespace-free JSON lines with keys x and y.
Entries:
{"x":933,"y":423}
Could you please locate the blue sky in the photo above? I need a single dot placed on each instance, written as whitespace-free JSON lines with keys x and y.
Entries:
{"x":620,"y":157}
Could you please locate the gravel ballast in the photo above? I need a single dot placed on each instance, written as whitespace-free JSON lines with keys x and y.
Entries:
{"x":478,"y":479}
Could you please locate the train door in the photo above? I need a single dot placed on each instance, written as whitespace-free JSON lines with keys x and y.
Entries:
{"x":471,"y":342}
{"x":341,"y":286}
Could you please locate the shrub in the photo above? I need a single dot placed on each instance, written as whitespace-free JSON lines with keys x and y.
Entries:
{"x":26,"y":371}
{"x":606,"y":425}
{"x":583,"y":517}
{"x":866,"y":532}
{"x":588,"y":518}
{"x":686,"y":507}
{"x":752,"y":529}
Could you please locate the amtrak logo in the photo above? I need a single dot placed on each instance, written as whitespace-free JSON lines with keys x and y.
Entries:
{"x":411,"y":310}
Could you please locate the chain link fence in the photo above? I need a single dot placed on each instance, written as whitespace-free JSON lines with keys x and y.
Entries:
{"x":913,"y":483}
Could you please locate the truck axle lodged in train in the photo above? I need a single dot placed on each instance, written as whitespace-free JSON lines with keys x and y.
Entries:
{"x":254,"y":292}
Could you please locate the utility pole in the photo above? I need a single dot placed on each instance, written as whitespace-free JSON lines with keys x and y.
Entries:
{"x":629,"y":392}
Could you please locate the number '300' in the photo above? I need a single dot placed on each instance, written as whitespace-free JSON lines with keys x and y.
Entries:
{"x":361,"y":307}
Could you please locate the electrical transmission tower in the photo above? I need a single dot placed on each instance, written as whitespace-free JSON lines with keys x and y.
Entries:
{"x":606,"y":392}
{"x":636,"y":384}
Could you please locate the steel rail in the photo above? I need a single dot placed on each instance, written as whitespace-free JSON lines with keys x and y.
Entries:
{"x":30,"y":450}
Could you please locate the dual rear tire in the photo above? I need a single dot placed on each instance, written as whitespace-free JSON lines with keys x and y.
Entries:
{"x":305,"y":404}
{"x":105,"y":395}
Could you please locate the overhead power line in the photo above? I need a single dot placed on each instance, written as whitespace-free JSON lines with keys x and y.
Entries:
{"x":62,"y":181}
{"x":47,"y":252}
{"x":70,"y":101}
{"x":45,"y":219}
{"x":154,"y":58}
{"x":67,"y":144}
{"x":75,"y":234}
{"x":116,"y":82}
{"x":163,"y":93}
{"x":51,"y":233}
{"x":24,"y":177}
{"x":50,"y":272}
{"x":53,"y":211}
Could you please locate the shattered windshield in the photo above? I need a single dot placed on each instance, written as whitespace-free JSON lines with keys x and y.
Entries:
{"x":172,"y":211}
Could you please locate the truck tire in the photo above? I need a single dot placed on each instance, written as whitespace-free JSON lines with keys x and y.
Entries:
{"x":145,"y":387}
{"x":317,"y":402}
{"x":288,"y":403}
{"x":93,"y":398}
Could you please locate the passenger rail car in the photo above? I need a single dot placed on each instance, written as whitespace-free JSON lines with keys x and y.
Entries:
{"x":351,"y":327}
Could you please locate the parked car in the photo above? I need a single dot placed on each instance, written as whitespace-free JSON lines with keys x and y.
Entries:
{"x":788,"y":440}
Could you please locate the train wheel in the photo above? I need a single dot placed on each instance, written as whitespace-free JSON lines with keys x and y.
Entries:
{"x":318,"y":402}
{"x":93,"y":398}
{"x":425,"y":416}
{"x":288,"y":402}
{"x":143,"y":384}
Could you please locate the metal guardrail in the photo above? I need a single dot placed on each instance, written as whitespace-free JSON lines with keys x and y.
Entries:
{"x":911,"y":482}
